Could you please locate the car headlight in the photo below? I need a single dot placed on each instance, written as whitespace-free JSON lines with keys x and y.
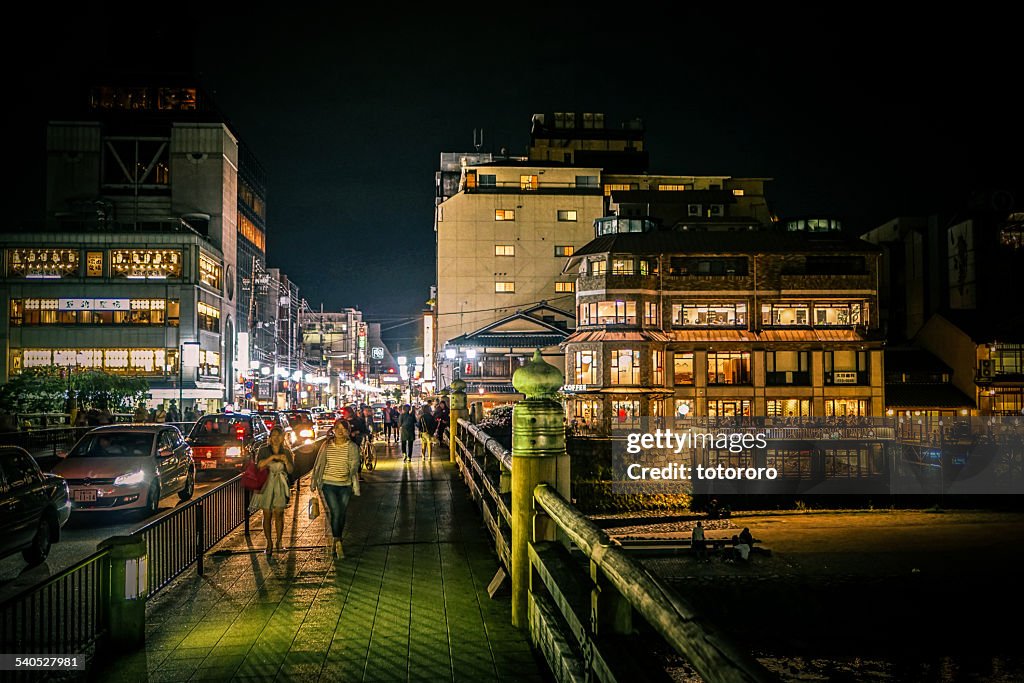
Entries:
{"x":306,"y":433}
{"x":130,"y":479}
{"x":234,"y":451}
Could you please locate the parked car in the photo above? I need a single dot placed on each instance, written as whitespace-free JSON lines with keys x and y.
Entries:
{"x":225,"y":441}
{"x":303,"y":424}
{"x":33,"y":506}
{"x":278,"y":419}
{"x":119,"y":468}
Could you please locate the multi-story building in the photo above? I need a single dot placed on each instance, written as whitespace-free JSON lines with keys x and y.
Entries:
{"x":719,"y":324}
{"x":134,"y":268}
{"x":947,"y":280}
{"x":331,"y":341}
{"x":506,"y":224}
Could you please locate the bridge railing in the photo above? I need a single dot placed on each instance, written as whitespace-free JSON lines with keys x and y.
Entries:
{"x":587,"y":608}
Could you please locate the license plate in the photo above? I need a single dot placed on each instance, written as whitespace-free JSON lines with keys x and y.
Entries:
{"x":209,"y":464}
{"x":85,"y":496}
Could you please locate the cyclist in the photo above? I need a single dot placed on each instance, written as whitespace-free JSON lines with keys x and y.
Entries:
{"x":357,"y":426}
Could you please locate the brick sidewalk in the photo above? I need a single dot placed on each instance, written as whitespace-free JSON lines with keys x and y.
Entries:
{"x":408,"y":603}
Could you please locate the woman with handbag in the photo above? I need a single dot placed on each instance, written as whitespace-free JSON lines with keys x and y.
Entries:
{"x":336,"y":478}
{"x":276,"y":457}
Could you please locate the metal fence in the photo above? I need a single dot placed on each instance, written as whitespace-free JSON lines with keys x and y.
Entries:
{"x":67,"y":613}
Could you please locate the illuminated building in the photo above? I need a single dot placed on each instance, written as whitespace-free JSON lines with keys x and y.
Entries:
{"x":151,"y":200}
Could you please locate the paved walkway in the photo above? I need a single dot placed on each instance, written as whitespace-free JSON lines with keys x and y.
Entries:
{"x":408,"y":603}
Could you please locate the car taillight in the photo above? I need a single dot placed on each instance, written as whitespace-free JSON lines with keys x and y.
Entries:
{"x":269,"y":423}
{"x":240,"y":432}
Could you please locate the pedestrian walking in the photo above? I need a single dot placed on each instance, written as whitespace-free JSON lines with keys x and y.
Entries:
{"x":277,"y":457}
{"x":335,"y":478}
{"x":407,"y":431}
{"x":427,"y":425}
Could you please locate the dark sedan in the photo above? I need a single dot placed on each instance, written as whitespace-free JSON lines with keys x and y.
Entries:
{"x":33,"y":506}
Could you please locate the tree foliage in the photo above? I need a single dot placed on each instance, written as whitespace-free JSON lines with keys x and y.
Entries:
{"x":34,"y":390}
{"x":119,"y":393}
{"x":45,"y":390}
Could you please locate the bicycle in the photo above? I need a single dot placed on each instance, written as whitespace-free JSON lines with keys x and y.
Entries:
{"x":368,"y":453}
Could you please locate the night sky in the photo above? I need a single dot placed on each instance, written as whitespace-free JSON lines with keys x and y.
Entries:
{"x":861,"y":117}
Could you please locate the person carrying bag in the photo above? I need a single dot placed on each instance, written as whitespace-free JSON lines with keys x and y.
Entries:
{"x":336,"y":478}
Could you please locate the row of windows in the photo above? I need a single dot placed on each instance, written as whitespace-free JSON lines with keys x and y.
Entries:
{"x":57,"y":263}
{"x":208,"y":317}
{"x":563,"y":215}
{"x":731,"y":314}
{"x":589,"y":410}
{"x":95,"y":312}
{"x":119,"y":361}
{"x":782,"y":368}
{"x":509,"y":287}
{"x":510,"y":250}
{"x":250,"y":231}
{"x":527,"y":183}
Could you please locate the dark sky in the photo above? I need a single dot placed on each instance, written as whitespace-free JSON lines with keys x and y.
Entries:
{"x":861,"y":116}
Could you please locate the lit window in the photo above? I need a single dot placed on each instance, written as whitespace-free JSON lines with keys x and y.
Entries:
{"x":585,"y":368}
{"x":528,"y":182}
{"x":729,"y":367}
{"x":42,"y":263}
{"x":623,"y":266}
{"x":504,"y":250}
{"x":251,"y":232}
{"x":625,"y":366}
{"x":564,"y":250}
{"x":209,"y":272}
{"x":682,"y":366}
{"x":598,"y":267}
{"x":94,"y":264}
{"x":709,"y":315}
{"x":614,"y":187}
{"x":504,"y":214}
{"x":565,"y":286}
{"x":657,"y":368}
{"x":505,"y":287}
{"x":209,"y":318}
{"x":671,"y":188}
{"x":651,"y":313}
{"x":566,"y":215}
{"x":145,"y":264}
{"x":737,"y":193}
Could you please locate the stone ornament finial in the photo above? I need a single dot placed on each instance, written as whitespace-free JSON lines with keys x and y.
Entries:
{"x":457,"y":385}
{"x":538,"y":378}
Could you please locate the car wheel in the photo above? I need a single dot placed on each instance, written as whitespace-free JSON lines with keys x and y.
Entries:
{"x":40,"y":548}
{"x":153,"y":500}
{"x":190,"y":486}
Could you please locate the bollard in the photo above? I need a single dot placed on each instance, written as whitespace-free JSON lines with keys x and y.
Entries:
{"x":476,"y":412}
{"x":458,"y":411}
{"x":538,"y":441}
{"x":129,"y":587}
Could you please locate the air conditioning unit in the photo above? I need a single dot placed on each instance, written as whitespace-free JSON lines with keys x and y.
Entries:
{"x":716,"y":210}
{"x":693,"y":209}
{"x":986,"y":369}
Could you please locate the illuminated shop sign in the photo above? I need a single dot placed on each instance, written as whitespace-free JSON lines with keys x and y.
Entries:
{"x":42,"y":263}
{"x":94,"y":304}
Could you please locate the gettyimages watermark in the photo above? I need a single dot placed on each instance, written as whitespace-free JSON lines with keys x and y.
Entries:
{"x":772,"y":455}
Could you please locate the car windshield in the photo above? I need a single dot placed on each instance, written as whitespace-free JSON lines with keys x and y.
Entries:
{"x":114,"y":445}
{"x":296,"y":416}
{"x":220,"y":428}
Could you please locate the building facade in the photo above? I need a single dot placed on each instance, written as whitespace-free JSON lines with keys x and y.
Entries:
{"x":723,"y":325}
{"x":133,"y":268}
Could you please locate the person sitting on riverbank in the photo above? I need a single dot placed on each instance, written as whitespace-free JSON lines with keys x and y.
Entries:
{"x":740,"y":550}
